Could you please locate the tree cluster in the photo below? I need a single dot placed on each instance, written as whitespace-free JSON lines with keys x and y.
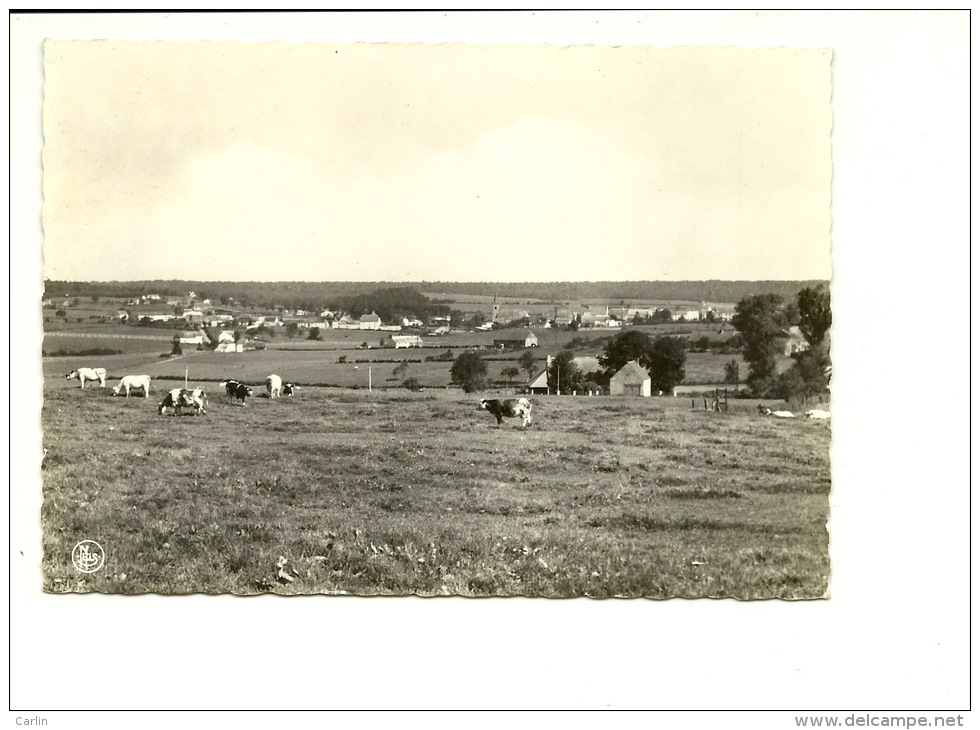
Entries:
{"x":663,"y":357}
{"x":393,"y":304}
{"x":762,"y":322}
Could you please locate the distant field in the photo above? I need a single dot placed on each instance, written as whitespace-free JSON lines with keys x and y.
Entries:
{"x":395,"y":492}
{"x":315,"y":362}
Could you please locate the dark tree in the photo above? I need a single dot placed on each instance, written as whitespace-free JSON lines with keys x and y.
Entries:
{"x":292,"y":329}
{"x":510,"y":373}
{"x":470,"y":372}
{"x":314,"y":333}
{"x":731,"y":372}
{"x":665,"y":362}
{"x":815,"y":316}
{"x":758,"y":319}
{"x":527,"y":362}
{"x":176,"y":348}
{"x":563,"y":374}
{"x":626,"y":346}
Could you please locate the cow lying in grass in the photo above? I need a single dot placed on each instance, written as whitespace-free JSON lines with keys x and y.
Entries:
{"x":818,"y":414}
{"x":510,"y":408}
{"x":179,"y":398}
{"x":779,"y":414}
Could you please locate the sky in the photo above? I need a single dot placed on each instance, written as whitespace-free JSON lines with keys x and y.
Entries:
{"x":455,"y":162}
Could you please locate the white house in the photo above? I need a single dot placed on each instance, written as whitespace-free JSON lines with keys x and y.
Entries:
{"x":370,"y":322}
{"x":402,"y":341}
{"x":631,"y":379}
{"x":226,"y":343}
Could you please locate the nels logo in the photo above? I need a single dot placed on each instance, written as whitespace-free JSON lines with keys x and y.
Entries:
{"x":88,"y":556}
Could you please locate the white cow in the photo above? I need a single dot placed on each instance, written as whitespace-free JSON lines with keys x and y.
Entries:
{"x":84,"y":374}
{"x":779,"y":414}
{"x":817,"y":413}
{"x":134,"y":381}
{"x":273,"y":386}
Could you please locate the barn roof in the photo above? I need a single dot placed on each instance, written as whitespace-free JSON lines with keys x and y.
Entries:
{"x":511,"y":335}
{"x":631,"y":373}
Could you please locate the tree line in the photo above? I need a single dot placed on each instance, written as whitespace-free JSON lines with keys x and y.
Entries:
{"x":312,"y":295}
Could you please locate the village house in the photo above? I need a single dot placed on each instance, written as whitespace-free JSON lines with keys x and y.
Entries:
{"x":155,"y":313}
{"x":347,"y":322}
{"x":632,"y":380}
{"x":402,"y":341}
{"x":795,"y":341}
{"x":515,"y":338}
{"x":226,"y":343}
{"x":193,"y":337}
{"x":370,"y":322}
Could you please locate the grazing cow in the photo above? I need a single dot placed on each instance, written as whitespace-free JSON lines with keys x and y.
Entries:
{"x":511,"y":408}
{"x":236,"y":391}
{"x":289,"y":388}
{"x":817,"y":413}
{"x":179,"y":398}
{"x":84,"y":374}
{"x":134,"y":381}
{"x":779,"y":414}
{"x":273,"y":386}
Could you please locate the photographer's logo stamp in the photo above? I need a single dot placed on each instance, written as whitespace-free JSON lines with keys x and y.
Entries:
{"x":88,"y":556}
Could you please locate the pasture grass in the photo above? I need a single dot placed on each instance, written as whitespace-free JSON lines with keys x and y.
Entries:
{"x":344,"y":491}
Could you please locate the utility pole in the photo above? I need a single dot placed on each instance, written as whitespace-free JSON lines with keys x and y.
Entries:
{"x":369,"y":378}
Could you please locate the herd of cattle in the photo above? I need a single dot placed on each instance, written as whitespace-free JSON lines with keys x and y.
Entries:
{"x":178,"y":399}
{"x":196,"y":399}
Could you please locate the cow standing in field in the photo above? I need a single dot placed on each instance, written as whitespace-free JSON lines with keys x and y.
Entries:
{"x":179,"y":398}
{"x":273,"y":386}
{"x":236,"y":391}
{"x":289,"y":388}
{"x":510,"y":408}
{"x":84,"y":374}
{"x":134,"y":381}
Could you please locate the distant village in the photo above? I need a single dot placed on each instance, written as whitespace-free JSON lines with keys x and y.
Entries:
{"x":199,"y":321}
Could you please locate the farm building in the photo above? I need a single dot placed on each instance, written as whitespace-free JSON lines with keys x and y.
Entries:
{"x":538,"y":385}
{"x":631,"y":379}
{"x":226,"y":343}
{"x":515,"y":338}
{"x":401,"y":341}
{"x":370,"y":321}
{"x":190,"y":337}
{"x":795,"y":341}
{"x":153,"y":314}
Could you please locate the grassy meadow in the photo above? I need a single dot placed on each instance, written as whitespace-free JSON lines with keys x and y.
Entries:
{"x":392,"y":492}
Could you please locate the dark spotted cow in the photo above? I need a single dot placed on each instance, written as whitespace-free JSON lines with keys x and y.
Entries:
{"x":289,"y":389}
{"x":236,"y":391}
{"x":179,"y":398}
{"x":511,"y":408}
